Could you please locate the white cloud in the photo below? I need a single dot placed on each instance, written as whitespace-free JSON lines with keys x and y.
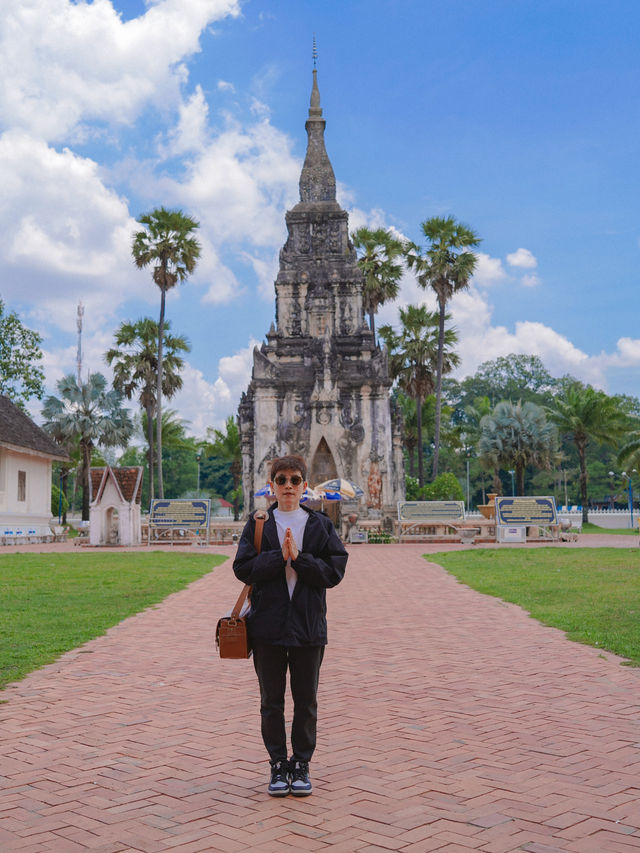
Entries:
{"x":530,"y":280}
{"x":266,"y":270}
{"x":239,"y":185}
{"x":63,"y":233}
{"x":208,"y":404}
{"x":481,"y":341}
{"x":68,"y":63}
{"x":522,"y":258}
{"x":191,"y":132}
{"x":488,"y":270}
{"x":222,"y":285}
{"x":627,"y":354}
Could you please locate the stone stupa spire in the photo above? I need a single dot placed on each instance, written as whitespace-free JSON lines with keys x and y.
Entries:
{"x":317,"y":180}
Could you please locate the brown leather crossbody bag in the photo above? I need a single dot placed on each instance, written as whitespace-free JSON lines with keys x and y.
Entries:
{"x":232,"y":638}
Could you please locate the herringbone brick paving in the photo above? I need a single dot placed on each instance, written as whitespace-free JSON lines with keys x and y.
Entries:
{"x":449,"y":721}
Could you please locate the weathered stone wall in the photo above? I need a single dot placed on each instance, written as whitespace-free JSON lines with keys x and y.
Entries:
{"x":320,"y":384}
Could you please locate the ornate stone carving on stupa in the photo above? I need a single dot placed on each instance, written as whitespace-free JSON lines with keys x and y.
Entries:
{"x":320,"y":384}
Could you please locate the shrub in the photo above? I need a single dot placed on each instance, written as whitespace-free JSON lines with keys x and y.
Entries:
{"x":445,"y":487}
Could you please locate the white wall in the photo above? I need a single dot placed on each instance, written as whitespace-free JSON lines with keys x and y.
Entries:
{"x":35,"y":510}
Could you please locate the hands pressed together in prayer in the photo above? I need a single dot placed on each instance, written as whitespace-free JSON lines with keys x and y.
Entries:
{"x":289,"y":547}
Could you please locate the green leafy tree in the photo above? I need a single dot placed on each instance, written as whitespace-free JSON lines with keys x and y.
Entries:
{"x":407,"y":406}
{"x":92,"y":415}
{"x":515,"y":377}
{"x":167,"y":242}
{"x":516,"y":435}
{"x":445,"y":266}
{"x":135,"y":370}
{"x":378,"y":252}
{"x":179,"y":452}
{"x":21,"y":373}
{"x":227,"y":445}
{"x":413,"y":355}
{"x":586,"y":415}
{"x":62,"y":469}
{"x":445,"y":487}
{"x":59,"y":503}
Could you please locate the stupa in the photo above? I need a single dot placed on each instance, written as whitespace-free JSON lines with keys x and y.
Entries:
{"x":320,"y":383}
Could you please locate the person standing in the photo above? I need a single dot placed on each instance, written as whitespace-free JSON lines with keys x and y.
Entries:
{"x":301,"y":557}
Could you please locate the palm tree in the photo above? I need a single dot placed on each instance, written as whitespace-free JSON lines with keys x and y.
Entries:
{"x":377,"y":253}
{"x":72,"y":449}
{"x":407,"y":406}
{"x":135,"y":370}
{"x":412,"y":359}
{"x":227,"y":445}
{"x":91,"y":414}
{"x":168,"y":243}
{"x":630,"y":450}
{"x":446,"y":267}
{"x":516,"y":435}
{"x":583,"y":414}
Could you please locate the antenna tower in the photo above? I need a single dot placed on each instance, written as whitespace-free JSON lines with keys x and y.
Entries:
{"x":79,"y":353}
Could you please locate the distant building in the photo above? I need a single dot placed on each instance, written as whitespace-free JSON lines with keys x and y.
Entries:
{"x":320,"y":384}
{"x":27,"y":453}
{"x":221,"y":508}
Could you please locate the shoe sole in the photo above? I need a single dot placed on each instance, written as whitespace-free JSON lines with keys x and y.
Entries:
{"x":301,"y":793}
{"x":279,"y":793}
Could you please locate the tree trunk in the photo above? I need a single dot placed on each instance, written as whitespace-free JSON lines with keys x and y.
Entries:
{"x":64,"y":477}
{"x":582,"y":446}
{"x":372,"y":323}
{"x":411,"y":455}
{"x":420,"y":448}
{"x":150,"y":460}
{"x":159,"y":393}
{"x":436,"y":435}
{"x":520,"y":480}
{"x":86,"y":465}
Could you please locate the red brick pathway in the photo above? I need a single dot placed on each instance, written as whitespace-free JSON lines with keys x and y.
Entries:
{"x":449,"y":721}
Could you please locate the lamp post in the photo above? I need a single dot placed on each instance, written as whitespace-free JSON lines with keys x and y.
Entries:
{"x":198,"y":456}
{"x":467,"y":453}
{"x":513,"y":483}
{"x":629,"y":490}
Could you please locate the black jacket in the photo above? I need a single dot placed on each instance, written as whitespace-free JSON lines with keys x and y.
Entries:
{"x":275,"y":618}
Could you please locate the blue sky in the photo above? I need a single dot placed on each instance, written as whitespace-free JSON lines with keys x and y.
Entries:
{"x":519,"y":118}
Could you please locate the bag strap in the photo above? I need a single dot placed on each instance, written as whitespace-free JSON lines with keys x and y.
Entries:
{"x":260,"y":517}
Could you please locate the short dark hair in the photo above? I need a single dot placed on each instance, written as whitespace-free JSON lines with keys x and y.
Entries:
{"x":292,"y":462}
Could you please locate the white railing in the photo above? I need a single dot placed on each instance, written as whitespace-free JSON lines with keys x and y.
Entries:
{"x":612,"y":519}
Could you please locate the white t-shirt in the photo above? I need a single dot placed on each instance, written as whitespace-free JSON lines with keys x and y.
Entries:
{"x":296,"y":520}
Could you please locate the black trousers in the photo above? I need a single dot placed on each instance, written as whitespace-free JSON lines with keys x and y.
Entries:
{"x":271,"y":664}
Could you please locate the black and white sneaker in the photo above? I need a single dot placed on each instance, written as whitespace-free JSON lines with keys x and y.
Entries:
{"x":300,"y":783}
{"x":279,"y":784}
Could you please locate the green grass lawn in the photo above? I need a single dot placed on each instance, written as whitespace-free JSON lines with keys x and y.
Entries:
{"x":51,"y":603}
{"x":623,"y":531}
{"x":591,"y":593}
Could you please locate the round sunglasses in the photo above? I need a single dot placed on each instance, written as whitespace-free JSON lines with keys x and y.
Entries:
{"x":295,"y":480}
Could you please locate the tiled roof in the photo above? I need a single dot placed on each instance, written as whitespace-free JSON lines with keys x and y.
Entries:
{"x":18,"y":429}
{"x":129,"y":481}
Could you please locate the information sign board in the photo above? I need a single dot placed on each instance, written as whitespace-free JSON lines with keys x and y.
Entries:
{"x":426,"y":511}
{"x":522,"y":512}
{"x":184,"y":513}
